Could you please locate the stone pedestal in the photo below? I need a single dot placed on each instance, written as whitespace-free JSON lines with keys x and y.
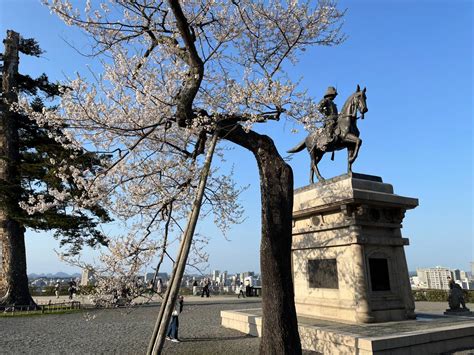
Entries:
{"x":349,"y":263}
{"x":432,"y":334}
{"x":463,"y":312}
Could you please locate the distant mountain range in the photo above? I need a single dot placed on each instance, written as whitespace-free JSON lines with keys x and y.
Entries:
{"x":58,"y":275}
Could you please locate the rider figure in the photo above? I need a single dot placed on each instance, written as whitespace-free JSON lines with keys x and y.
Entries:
{"x":329,"y":109}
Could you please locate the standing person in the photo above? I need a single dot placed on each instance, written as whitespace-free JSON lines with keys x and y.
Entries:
{"x":72,"y":288}
{"x":57,"y":286}
{"x":195,"y":285}
{"x":159,"y":287}
{"x":172,"y":333}
{"x":241,"y":290}
{"x":248,"y":290}
{"x":205,"y":289}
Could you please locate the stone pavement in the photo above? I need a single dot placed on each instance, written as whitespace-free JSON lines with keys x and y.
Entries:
{"x":127,"y":331}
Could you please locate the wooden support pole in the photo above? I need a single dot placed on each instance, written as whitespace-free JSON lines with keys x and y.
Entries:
{"x":161,"y":326}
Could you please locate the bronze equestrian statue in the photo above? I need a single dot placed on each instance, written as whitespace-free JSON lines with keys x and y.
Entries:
{"x":339,"y":131}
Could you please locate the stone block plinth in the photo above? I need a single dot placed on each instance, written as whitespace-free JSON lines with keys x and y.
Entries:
{"x":348,"y":259}
{"x":431,"y":335}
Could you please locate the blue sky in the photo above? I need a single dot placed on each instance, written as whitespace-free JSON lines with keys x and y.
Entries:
{"x":414,"y":57}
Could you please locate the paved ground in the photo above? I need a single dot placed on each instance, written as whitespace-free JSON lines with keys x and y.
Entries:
{"x":436,"y":307}
{"x":127,"y":332}
{"x":118,"y":331}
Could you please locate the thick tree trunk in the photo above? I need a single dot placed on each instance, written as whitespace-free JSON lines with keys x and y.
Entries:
{"x":12,"y":234}
{"x":14,"y":263}
{"x":280,"y":326}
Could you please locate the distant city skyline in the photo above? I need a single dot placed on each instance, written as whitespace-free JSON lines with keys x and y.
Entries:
{"x":77,"y":271}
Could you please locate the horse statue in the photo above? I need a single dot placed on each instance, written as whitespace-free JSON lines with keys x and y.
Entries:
{"x":346,"y":135}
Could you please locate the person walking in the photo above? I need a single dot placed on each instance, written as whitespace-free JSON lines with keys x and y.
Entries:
{"x":205,"y":289}
{"x":172,"y":333}
{"x":159,"y":287}
{"x":72,"y":288}
{"x":195,"y":286}
{"x":241,"y":290}
{"x":57,"y":287}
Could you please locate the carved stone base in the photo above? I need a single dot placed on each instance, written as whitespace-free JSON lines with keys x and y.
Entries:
{"x":348,"y":258}
{"x":439,"y":335}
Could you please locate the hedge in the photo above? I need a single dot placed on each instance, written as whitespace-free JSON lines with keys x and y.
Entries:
{"x":433,"y":295}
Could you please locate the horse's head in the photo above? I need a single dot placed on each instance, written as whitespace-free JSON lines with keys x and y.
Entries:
{"x":361,"y":101}
{"x":356,"y":102}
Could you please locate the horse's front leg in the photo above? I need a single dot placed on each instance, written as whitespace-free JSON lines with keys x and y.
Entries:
{"x":318,"y":174}
{"x":358,"y":143}
{"x":351,"y":139}
{"x":350,"y":152}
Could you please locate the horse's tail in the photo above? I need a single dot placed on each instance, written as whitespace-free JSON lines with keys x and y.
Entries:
{"x":298,"y":148}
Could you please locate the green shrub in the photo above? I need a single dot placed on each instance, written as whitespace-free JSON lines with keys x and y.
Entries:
{"x":469,"y":296}
{"x":432,"y":295}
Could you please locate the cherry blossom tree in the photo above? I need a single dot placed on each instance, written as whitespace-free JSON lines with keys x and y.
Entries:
{"x":175,"y":72}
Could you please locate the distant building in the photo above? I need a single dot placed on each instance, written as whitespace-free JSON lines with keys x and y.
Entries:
{"x":215,"y":275}
{"x":456,"y":274}
{"x":149,"y":276}
{"x":223,"y":278}
{"x":161,"y":275}
{"x":87,"y":277}
{"x":436,"y":278}
{"x":39,"y":283}
{"x":257,"y":281}
{"x":415,"y":282}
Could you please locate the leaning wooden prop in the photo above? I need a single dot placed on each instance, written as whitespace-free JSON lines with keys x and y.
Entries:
{"x":346,"y":135}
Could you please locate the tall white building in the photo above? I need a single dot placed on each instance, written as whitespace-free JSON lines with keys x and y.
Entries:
{"x":87,"y":277}
{"x":436,"y":277}
{"x":456,"y":274}
{"x":223,"y":278}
